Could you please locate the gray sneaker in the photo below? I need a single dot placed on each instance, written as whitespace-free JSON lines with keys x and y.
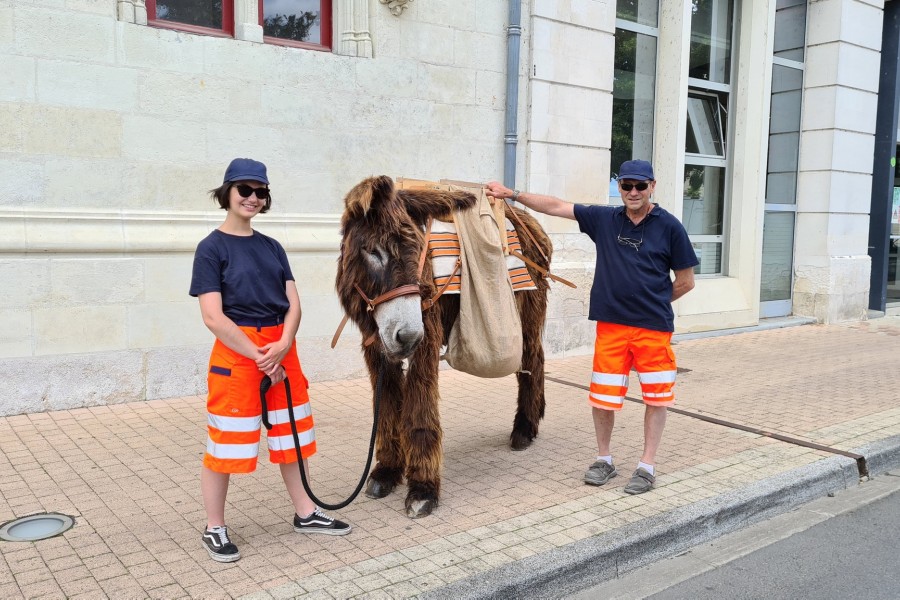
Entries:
{"x":641,"y":481}
{"x":599,"y":473}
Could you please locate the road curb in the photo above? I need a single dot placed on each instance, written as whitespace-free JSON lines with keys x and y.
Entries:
{"x":589,"y":562}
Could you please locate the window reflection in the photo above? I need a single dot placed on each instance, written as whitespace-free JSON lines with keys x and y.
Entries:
{"x":633,"y":91}
{"x":706,"y":119}
{"x":191,"y":12}
{"x":710,"y":256}
{"x":297,"y":20}
{"x":790,"y":29}
{"x":643,"y":12}
{"x":710,"y":52}
{"x":704,"y":199}
{"x":784,"y":135}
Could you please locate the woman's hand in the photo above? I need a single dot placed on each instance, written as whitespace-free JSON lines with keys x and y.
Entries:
{"x":271,"y":356}
{"x":277,"y":375}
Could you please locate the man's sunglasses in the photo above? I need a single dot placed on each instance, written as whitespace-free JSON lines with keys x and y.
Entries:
{"x":627,"y":187}
{"x":245,"y":191}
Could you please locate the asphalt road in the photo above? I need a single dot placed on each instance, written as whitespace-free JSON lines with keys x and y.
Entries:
{"x":836,"y":548}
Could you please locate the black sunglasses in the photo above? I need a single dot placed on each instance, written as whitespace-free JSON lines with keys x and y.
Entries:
{"x":245,"y":191}
{"x":627,"y":187}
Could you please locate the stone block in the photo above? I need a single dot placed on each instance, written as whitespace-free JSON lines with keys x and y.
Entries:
{"x":16,"y":336}
{"x":162,"y":139}
{"x":834,"y":191}
{"x":834,"y":290}
{"x":27,"y":282}
{"x":79,"y":329}
{"x":459,"y":15}
{"x":28,"y":178}
{"x":151,"y":47}
{"x":387,"y":77}
{"x":105,"y":178}
{"x":479,"y":51}
{"x":67,"y":382}
{"x":843,"y":64}
{"x":826,"y":235}
{"x":490,"y":90}
{"x":185,"y":95}
{"x":590,"y":14}
{"x":149,"y":186}
{"x":834,"y":107}
{"x":446,"y":84}
{"x":322,"y":313}
{"x":165,"y":324}
{"x":573,"y":55}
{"x":168,"y":278}
{"x":73,"y":83}
{"x":76,"y":132}
{"x":430,"y":44}
{"x":42,"y":32}
{"x":835,"y":149}
{"x":17,"y":79}
{"x":570,"y":115}
{"x":256,"y":140}
{"x":854,"y":22}
{"x":321,"y":363}
{"x":12,"y":130}
{"x":178,"y":371}
{"x":7,"y":31}
{"x":96,"y":281}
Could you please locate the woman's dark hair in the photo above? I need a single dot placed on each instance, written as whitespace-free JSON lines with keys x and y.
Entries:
{"x":221,"y":195}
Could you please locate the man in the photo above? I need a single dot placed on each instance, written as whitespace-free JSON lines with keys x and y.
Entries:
{"x":631,"y":300}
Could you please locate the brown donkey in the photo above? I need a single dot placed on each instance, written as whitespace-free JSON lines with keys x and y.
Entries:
{"x":383,"y":240}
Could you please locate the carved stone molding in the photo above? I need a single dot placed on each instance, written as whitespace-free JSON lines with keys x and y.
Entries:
{"x":396,"y":6}
{"x":132,"y":11}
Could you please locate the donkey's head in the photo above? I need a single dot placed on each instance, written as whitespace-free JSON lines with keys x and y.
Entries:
{"x":383,"y":240}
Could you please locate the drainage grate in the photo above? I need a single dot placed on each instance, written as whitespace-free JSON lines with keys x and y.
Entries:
{"x":35,"y":527}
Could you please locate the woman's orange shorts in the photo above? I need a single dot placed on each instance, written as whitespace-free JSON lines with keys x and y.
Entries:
{"x":234,"y":412}
{"x":616,"y":349}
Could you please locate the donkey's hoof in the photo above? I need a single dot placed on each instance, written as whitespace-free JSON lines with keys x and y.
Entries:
{"x":519,"y":441}
{"x":378,"y":489}
{"x":420,"y":508}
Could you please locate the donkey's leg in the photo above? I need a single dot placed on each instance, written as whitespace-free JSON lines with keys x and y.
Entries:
{"x":531,"y":402}
{"x":388,"y":471}
{"x":422,"y":434}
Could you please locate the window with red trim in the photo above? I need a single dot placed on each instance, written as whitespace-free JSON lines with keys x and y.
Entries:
{"x":301,"y":23}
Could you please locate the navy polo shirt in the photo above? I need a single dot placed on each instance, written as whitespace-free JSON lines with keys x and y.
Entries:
{"x":634,"y":287}
{"x":249,"y":271}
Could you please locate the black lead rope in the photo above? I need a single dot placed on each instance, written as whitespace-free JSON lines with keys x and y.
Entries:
{"x":264,"y":386}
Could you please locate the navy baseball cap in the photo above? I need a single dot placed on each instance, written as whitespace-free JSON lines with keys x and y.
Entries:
{"x":640,"y":170}
{"x":243,"y":169}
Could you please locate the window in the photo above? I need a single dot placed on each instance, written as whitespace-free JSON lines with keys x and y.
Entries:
{"x":706,"y":167}
{"x":303,"y":23}
{"x":634,"y":84}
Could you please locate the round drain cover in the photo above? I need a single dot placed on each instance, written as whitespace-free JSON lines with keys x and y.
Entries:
{"x":35,"y":527}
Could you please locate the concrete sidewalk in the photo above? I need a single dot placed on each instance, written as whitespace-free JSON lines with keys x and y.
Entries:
{"x":510,"y":524}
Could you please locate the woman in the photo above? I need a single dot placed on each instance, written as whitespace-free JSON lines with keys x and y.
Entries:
{"x":249,"y":301}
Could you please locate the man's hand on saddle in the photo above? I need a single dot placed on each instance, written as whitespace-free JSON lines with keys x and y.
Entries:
{"x":495,"y":189}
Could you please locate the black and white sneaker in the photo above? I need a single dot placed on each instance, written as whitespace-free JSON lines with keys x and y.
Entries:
{"x":319,"y":522}
{"x":218,"y":545}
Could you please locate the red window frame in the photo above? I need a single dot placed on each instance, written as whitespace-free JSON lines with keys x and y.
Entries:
{"x":325,"y":27}
{"x":227,"y":21}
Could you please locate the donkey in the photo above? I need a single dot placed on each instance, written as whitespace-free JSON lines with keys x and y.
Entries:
{"x":382,"y":252}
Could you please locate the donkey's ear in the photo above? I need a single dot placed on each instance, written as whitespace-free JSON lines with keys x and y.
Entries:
{"x":424,"y":203}
{"x":368,"y":194}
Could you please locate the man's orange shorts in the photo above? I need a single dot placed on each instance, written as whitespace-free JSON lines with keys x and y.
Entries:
{"x":234,"y":412}
{"x":616,"y":349}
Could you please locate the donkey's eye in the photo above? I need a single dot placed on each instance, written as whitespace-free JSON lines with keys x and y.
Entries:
{"x":376,"y":258}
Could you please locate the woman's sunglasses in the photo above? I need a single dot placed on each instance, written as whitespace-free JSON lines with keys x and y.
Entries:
{"x":245,"y":191}
{"x":627,"y":187}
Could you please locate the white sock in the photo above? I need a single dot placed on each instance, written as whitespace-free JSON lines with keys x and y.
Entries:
{"x":646,"y":467}
{"x":606,"y":459}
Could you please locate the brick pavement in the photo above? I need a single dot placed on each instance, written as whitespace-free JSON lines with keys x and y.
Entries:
{"x":129,"y":474}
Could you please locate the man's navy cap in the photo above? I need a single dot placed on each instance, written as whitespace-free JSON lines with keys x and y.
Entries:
{"x":243,"y":169}
{"x":640,"y":170}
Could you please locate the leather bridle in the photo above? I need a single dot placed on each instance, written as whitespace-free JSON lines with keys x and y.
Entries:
{"x":403,"y":290}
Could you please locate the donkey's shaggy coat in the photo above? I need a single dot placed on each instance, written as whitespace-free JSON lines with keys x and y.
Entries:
{"x":383,"y":237}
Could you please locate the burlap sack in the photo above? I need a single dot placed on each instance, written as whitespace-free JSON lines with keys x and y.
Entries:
{"x":486,"y":340}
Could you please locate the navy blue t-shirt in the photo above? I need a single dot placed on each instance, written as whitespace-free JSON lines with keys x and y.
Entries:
{"x":633,"y":287}
{"x":249,"y":271}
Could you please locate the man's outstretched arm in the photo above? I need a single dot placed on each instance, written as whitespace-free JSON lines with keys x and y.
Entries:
{"x":549,"y":205}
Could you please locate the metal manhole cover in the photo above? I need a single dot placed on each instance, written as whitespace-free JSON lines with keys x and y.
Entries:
{"x":35,"y":527}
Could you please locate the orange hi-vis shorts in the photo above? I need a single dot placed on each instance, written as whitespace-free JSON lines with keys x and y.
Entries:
{"x":616,"y":349}
{"x":234,"y":412}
